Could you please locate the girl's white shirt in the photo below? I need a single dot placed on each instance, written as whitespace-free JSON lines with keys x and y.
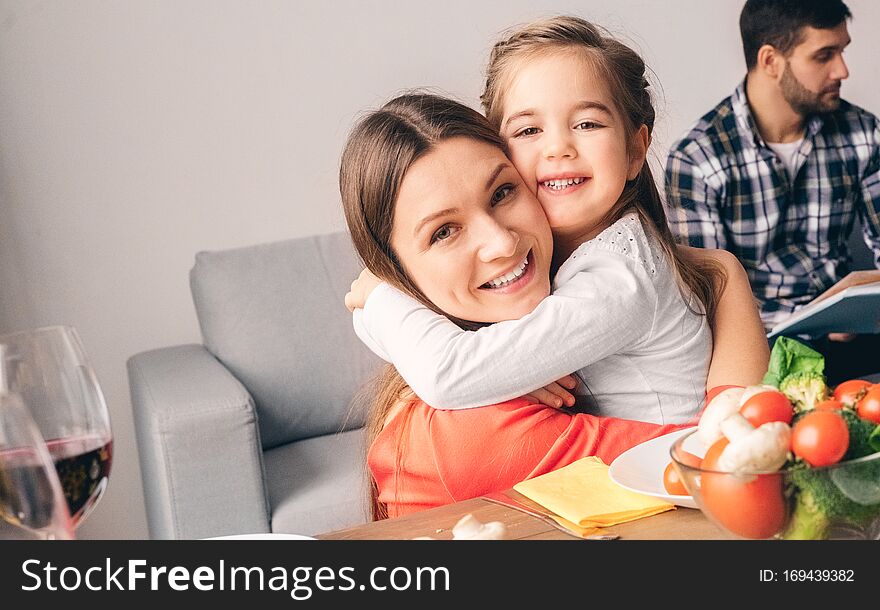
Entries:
{"x":616,"y":317}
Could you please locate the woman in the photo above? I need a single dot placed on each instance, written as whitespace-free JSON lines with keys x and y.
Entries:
{"x":416,"y":159}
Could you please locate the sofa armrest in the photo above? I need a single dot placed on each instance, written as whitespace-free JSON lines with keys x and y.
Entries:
{"x":199,"y":445}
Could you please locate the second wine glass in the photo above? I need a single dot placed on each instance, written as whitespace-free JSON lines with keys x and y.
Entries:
{"x":32,"y":505}
{"x":49,"y":370}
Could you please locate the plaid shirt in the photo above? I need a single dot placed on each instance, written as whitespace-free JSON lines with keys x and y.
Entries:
{"x":726,"y":188}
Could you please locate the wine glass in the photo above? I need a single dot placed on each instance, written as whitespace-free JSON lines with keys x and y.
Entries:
{"x":32,"y":505}
{"x":48,"y":369}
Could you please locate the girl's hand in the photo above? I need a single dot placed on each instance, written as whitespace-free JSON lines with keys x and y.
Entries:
{"x":556,"y":394}
{"x":361,"y":289}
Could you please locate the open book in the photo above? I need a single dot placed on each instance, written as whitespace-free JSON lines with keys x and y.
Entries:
{"x":852,"y":305}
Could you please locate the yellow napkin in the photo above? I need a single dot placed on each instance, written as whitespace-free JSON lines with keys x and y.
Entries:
{"x":585,"y":498}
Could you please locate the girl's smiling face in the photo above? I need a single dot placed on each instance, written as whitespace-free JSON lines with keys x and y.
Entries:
{"x":569,"y":141}
{"x":470,"y":235}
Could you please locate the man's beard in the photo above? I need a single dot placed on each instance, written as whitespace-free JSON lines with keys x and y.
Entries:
{"x":802,"y":100}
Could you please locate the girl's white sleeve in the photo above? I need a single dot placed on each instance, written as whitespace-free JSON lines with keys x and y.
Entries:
{"x":361,"y":331}
{"x":607,"y":306}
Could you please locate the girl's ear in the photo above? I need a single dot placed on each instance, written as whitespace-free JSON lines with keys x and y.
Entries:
{"x":638,"y":152}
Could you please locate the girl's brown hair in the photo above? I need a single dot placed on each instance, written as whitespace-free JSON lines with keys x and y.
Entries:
{"x":380,"y":150}
{"x":625,"y":72}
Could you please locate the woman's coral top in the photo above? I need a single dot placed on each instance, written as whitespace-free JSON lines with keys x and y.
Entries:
{"x":447,"y":456}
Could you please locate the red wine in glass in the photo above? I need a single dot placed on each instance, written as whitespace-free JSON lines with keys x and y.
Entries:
{"x":83,"y":465}
{"x":48,"y":369}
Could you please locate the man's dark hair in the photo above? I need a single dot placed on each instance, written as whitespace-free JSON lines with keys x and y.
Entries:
{"x":780,"y":23}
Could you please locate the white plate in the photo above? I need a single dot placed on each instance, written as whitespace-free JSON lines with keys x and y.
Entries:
{"x":262,"y":537}
{"x":640,"y":469}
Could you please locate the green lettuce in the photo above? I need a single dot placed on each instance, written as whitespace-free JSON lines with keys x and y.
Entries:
{"x":789,"y":357}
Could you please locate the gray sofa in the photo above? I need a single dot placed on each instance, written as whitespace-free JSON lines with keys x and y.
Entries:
{"x":259,"y":428}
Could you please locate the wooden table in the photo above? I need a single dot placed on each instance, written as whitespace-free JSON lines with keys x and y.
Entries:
{"x":678,"y":524}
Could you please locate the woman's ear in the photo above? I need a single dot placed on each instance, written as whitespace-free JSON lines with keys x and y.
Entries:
{"x":638,"y":151}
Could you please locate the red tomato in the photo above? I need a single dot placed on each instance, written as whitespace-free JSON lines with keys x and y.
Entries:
{"x":821,"y":438}
{"x":766,"y":407}
{"x":829,"y":405}
{"x":711,"y":458}
{"x":672,"y":481}
{"x":869,"y":406}
{"x":751,"y":506}
{"x":849,"y":392}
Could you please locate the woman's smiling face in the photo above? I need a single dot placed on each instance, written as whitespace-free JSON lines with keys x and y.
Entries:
{"x":470,"y":235}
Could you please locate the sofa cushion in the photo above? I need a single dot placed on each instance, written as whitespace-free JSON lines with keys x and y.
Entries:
{"x":274,"y":315}
{"x":318,"y":484}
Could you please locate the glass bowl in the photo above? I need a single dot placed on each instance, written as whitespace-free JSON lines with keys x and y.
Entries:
{"x":841,"y":501}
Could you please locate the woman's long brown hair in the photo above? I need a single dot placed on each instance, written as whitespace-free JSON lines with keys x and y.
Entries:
{"x":380,"y":150}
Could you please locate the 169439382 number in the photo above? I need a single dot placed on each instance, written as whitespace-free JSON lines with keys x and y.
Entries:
{"x":807,"y":575}
{"x":817,"y":575}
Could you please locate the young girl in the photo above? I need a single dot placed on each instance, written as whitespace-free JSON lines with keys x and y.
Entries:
{"x":630,"y":311}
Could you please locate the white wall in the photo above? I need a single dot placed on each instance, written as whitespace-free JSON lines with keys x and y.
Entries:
{"x":134,"y":134}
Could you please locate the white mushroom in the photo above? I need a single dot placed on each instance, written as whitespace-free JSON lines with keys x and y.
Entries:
{"x":735,"y":426}
{"x":761,"y":449}
{"x":469,"y":528}
{"x":722,"y":406}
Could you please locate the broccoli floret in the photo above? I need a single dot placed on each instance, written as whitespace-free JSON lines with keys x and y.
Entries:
{"x":860,"y":431}
{"x":845,"y":496}
{"x":820,"y":500}
{"x":809,"y":519}
{"x":805,"y":390}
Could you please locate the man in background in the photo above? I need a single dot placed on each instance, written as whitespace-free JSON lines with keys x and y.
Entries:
{"x":778,"y":172}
